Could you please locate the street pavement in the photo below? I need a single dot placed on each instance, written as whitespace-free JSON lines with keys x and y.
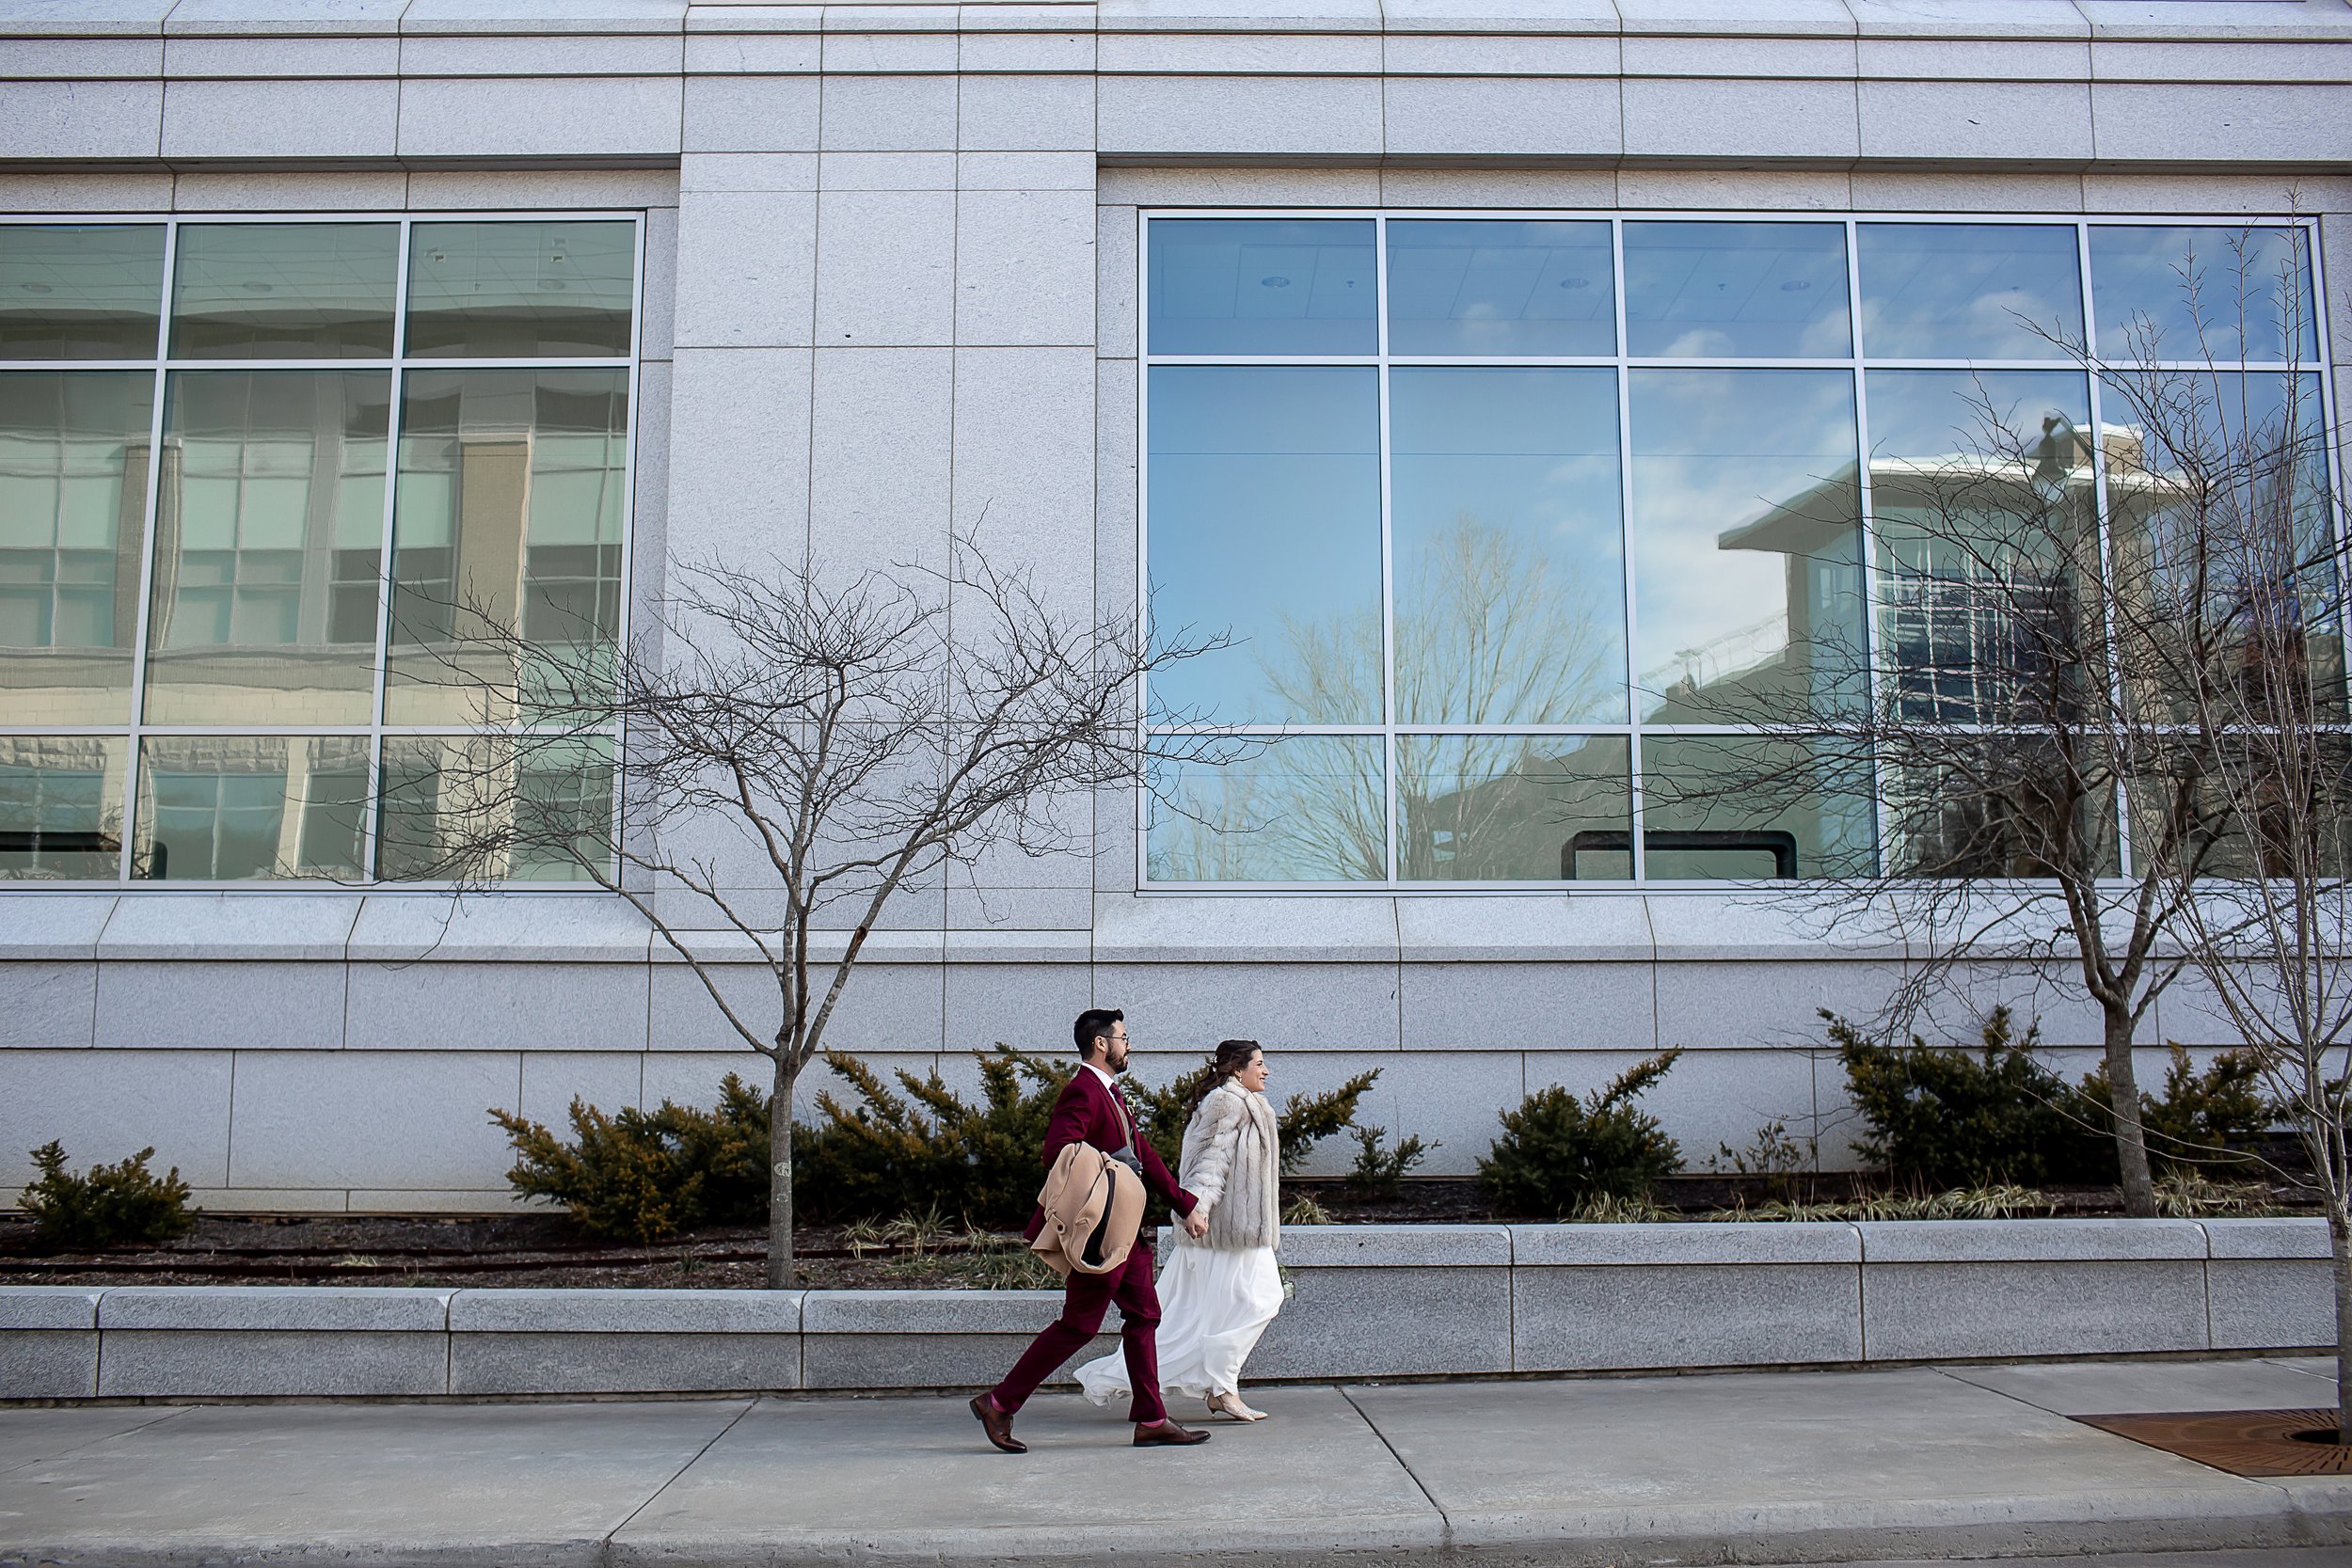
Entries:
{"x":1764,"y":1467}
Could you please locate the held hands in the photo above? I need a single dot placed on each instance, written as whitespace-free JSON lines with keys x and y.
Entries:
{"x":1196,"y":1225}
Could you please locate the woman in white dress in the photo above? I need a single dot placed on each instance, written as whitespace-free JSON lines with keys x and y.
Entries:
{"x":1217,"y":1294}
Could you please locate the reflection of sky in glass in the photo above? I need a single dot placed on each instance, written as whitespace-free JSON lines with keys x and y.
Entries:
{"x":1957,"y":290}
{"x":1925,"y":415}
{"x":1265,"y":523}
{"x":1736,"y":290}
{"x":1485,"y":287}
{"x":1513,"y":807}
{"x":1744,"y":527}
{"x":1307,"y":809}
{"x":1508,"y":565}
{"x":1263,"y":286}
{"x":2140,"y":285}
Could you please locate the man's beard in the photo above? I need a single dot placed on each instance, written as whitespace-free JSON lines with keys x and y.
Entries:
{"x":1116,"y":1059}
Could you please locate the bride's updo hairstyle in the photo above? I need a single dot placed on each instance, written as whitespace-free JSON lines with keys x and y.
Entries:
{"x":1232,"y":1056}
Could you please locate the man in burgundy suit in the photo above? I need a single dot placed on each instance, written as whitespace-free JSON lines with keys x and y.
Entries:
{"x":1092,"y":1110}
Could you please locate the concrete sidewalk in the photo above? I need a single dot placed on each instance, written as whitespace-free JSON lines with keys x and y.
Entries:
{"x":1752,"y":1467}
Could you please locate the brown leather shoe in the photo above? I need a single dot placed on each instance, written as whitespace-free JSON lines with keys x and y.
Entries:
{"x":999,"y":1425}
{"x":1167,"y":1434}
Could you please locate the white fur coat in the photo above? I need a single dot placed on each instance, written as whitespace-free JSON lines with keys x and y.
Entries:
{"x":1233,"y":1163}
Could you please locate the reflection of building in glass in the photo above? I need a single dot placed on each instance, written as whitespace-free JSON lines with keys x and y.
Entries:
{"x":1734,"y":540}
{"x":336,"y":542}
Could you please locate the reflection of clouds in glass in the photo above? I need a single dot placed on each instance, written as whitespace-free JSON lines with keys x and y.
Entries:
{"x":1508,"y":555}
{"x":1957,"y":290}
{"x":1705,"y":342}
{"x":2193,"y":291}
{"x":1771,"y":290}
{"x":1744,"y":520}
{"x":1928,"y":414}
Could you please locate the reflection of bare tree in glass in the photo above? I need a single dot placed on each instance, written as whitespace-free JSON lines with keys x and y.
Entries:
{"x":1489,"y":629}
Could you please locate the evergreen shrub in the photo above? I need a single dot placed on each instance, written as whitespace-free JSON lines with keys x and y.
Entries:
{"x":118,"y":1205}
{"x":639,"y":1175}
{"x":1559,"y":1154}
{"x":1943,"y":1117}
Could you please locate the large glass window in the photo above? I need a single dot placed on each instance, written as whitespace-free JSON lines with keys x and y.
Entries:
{"x":261,"y":536}
{"x":1562,"y":555}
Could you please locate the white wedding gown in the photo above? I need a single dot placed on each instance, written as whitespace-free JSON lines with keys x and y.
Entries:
{"x":1213,"y":1303}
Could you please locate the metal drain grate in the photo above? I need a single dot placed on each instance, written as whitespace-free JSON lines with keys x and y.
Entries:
{"x":2243,"y":1442}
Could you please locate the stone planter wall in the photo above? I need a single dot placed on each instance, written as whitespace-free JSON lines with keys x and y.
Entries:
{"x":1372,"y":1301}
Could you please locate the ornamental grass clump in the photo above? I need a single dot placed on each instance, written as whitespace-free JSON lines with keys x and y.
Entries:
{"x":118,"y":1205}
{"x":1558,"y":1154}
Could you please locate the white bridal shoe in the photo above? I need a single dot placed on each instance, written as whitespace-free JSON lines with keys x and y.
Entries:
{"x":1230,"y":1408}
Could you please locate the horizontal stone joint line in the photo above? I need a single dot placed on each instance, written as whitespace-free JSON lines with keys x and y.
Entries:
{"x":1445,"y":1525}
{"x":654,"y":1495}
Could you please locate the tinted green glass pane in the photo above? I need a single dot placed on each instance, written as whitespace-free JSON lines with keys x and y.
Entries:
{"x":73,"y":498}
{"x":1502,"y":808}
{"x":1745,"y":808}
{"x":1747,"y":291}
{"x":2191,"y":293}
{"x":1747,"y":544}
{"x":61,"y":807}
{"x":508,"y":521}
{"x":521,"y":290}
{"x":1508,"y":550}
{"x":1285,"y":286}
{"x":1969,"y":290}
{"x":269,"y":529}
{"x":237,"y":808}
{"x":1307,"y":809}
{"x":532,"y":809}
{"x":1459,"y":287}
{"x":1987,"y":549}
{"x":1266,"y":525}
{"x":80,"y":291}
{"x":2219,"y":516}
{"x":284,"y":291}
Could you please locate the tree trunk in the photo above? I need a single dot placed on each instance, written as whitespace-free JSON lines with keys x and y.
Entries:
{"x":782,"y":1272}
{"x":2130,"y":1138}
{"x":2340,"y":1247}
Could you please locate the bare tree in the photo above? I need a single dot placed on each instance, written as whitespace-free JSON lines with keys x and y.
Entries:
{"x":798,"y":750}
{"x":2028,"y":694}
{"x":2248,"y":565}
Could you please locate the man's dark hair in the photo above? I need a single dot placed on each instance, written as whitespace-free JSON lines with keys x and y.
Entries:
{"x":1092,"y":1025}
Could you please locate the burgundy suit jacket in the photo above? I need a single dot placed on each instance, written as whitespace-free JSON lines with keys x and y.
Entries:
{"x":1086,"y":1114}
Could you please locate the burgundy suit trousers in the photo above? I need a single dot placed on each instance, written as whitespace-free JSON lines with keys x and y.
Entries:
{"x":1085,"y":1298}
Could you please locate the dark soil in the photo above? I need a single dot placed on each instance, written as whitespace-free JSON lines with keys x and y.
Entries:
{"x":535,"y":1250}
